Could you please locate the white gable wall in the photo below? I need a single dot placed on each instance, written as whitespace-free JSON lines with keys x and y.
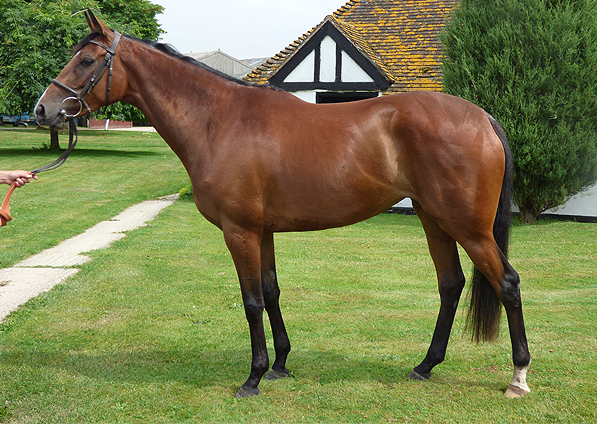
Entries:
{"x":351,"y":72}
{"x":328,"y":60}
{"x":304,"y":71}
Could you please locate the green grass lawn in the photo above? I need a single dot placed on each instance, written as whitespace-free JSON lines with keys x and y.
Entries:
{"x":106,"y":173}
{"x":153,"y":330}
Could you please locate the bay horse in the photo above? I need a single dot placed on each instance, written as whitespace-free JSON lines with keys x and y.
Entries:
{"x":262,"y":161}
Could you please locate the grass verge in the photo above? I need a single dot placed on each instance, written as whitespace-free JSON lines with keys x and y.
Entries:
{"x":106,"y":173}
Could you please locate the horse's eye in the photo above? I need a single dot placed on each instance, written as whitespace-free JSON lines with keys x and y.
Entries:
{"x":87,"y":61}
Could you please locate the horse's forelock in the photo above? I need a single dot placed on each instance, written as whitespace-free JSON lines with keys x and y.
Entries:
{"x":84,"y":42}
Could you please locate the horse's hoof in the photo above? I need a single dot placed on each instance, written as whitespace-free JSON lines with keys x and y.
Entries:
{"x":416,"y":376}
{"x":514,"y":392}
{"x":246,"y":393}
{"x":276,"y":375}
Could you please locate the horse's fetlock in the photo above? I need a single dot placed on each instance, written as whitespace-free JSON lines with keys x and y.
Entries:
{"x":436,"y":356}
{"x":260,"y":366}
{"x":521,"y":359}
{"x":283,"y":347}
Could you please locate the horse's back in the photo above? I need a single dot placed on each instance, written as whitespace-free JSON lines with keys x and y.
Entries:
{"x":334,"y":164}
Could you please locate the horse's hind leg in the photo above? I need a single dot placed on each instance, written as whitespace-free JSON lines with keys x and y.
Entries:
{"x":271,"y":294}
{"x":520,"y":351}
{"x":492,"y":263}
{"x":444,"y":253}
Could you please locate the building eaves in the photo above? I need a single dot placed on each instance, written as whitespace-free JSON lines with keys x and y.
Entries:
{"x":400,"y":37}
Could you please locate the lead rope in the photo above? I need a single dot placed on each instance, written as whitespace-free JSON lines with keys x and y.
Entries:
{"x":107,"y":64}
{"x":5,"y":208}
{"x":72,"y":142}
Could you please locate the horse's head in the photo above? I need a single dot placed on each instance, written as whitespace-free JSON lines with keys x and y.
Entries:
{"x":93,"y":78}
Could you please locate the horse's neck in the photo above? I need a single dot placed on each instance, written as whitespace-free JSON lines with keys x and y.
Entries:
{"x":178,"y":98}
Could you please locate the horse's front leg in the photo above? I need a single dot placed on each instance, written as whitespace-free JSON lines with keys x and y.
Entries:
{"x":271,"y":294}
{"x":245,"y":248}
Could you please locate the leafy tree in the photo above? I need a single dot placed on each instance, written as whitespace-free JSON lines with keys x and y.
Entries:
{"x":36,"y":37}
{"x":33,"y":48}
{"x":132,"y":17}
{"x":136,"y":18}
{"x":531,"y":64}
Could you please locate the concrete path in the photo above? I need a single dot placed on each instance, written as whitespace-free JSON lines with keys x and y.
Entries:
{"x":43,"y":271}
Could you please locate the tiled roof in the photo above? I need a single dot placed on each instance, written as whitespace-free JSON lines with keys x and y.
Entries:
{"x":400,"y":37}
{"x":356,"y":37}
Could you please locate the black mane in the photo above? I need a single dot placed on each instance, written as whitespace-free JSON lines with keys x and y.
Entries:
{"x":172,"y":51}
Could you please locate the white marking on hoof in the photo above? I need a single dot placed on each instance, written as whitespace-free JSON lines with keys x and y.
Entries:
{"x":518,"y":385}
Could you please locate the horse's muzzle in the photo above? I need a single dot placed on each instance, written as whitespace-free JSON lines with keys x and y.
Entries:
{"x":55,"y":120}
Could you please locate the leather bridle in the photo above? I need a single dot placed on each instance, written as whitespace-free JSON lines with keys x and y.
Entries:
{"x":106,"y":65}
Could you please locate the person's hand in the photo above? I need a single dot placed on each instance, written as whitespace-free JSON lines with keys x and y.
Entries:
{"x":20,"y":178}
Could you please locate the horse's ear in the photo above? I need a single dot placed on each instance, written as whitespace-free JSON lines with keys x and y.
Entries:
{"x":88,"y":19}
{"x":95,"y":24}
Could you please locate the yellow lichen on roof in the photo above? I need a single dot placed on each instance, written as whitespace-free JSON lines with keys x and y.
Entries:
{"x":352,"y":32}
{"x":400,"y":37}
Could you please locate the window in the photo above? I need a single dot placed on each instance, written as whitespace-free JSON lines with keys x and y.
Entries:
{"x":340,"y":97}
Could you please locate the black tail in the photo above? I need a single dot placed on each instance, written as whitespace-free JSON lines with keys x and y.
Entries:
{"x":485,"y":308}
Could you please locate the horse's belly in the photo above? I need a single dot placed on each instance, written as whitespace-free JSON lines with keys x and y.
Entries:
{"x":320,"y":209}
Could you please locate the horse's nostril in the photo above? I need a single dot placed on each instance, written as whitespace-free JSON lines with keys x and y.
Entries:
{"x":40,"y":111}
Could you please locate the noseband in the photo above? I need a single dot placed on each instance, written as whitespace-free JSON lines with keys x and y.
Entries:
{"x":106,"y":65}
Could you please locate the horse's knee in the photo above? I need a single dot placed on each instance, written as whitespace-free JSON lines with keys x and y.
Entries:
{"x":269,"y":283}
{"x":450,"y":288}
{"x":254,"y":312}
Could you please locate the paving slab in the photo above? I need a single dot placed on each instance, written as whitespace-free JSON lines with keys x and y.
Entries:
{"x":41,"y":272}
{"x":18,"y":285}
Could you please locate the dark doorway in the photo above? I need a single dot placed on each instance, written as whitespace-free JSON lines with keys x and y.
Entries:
{"x":335,"y":97}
